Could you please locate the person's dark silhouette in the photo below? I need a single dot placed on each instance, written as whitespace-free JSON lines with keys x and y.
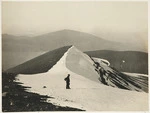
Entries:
{"x":67,"y":79}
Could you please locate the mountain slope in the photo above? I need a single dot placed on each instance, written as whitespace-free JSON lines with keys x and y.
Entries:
{"x":81,"y":40}
{"x":53,"y":40}
{"x":41,"y":63}
{"x":32,"y":45}
{"x":127,"y":61}
{"x":12,"y":43}
{"x":26,"y":48}
{"x":12,"y":59}
{"x":50,"y":41}
{"x":85,"y":93}
{"x":81,"y":64}
{"x":114,"y":78}
{"x":17,"y":50}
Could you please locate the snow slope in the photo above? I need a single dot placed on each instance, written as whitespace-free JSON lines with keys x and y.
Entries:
{"x":81,"y":64}
{"x":114,"y":78}
{"x":85,"y":93}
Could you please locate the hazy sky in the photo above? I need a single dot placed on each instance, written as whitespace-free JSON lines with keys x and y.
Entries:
{"x":119,"y":21}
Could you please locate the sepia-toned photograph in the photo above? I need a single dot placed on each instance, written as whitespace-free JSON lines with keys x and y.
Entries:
{"x":74,"y":56}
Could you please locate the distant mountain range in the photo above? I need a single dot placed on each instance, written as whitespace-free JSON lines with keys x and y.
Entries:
{"x":18,"y":49}
{"x":53,"y":40}
{"x":50,"y":41}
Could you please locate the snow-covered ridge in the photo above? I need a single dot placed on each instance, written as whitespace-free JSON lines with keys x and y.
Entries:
{"x":81,"y":64}
{"x":86,"y":93}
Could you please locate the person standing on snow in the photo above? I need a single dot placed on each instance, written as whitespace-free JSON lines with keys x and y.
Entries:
{"x":67,"y":79}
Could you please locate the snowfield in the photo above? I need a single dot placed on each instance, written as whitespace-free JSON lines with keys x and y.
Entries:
{"x":86,"y":91}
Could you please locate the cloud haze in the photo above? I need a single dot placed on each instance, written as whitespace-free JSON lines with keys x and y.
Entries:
{"x":117,"y":21}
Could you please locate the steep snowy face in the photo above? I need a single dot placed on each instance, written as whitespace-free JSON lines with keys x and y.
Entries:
{"x":114,"y":78}
{"x":81,"y":64}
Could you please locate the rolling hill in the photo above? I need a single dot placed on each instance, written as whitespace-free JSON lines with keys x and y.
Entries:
{"x":125,"y":61}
